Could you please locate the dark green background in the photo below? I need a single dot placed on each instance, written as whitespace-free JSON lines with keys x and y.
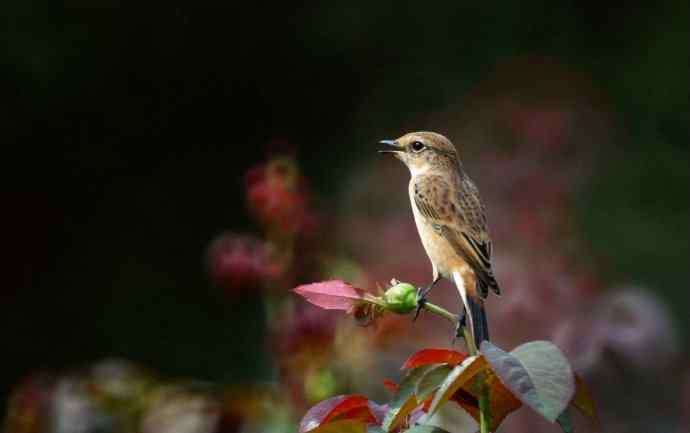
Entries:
{"x":127,"y":130}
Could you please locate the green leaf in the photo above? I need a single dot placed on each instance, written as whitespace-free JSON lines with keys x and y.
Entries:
{"x":564,"y":421}
{"x":512,"y":374}
{"x":404,"y":401}
{"x":375,"y":429}
{"x":430,"y":381}
{"x":551,"y":375}
{"x":453,"y":418}
{"x":458,"y":377}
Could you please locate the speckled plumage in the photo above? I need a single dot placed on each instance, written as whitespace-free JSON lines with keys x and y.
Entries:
{"x":451,"y":206}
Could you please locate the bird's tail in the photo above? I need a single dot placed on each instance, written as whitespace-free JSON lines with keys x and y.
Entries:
{"x":474,"y":309}
{"x":480,"y":324}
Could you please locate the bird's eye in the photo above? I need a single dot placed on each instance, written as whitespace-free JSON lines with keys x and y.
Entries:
{"x":417,"y":146}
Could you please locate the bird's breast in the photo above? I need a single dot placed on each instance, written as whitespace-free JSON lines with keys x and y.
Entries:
{"x":440,"y":252}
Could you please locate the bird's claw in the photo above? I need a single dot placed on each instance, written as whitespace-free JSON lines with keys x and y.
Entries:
{"x":421,"y":300}
{"x":461,"y":323}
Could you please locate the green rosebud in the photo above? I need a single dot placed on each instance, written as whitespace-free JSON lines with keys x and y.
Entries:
{"x":401,"y":298}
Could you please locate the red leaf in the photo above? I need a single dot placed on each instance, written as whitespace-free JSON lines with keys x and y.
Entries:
{"x":337,"y":408}
{"x":427,"y":403}
{"x":464,"y":398}
{"x":501,"y":401}
{"x":362,"y":413}
{"x":434,"y":356}
{"x":330,"y":295}
{"x":390,"y":385}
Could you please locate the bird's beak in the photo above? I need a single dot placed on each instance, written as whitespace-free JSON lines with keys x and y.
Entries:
{"x":393,"y":143}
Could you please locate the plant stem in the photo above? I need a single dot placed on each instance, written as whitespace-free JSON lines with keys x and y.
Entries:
{"x":484,"y":410}
{"x":467,"y":336}
{"x":433,"y":308}
{"x":469,"y":342}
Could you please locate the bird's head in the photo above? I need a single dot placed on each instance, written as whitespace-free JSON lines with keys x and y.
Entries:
{"x":423,"y":151}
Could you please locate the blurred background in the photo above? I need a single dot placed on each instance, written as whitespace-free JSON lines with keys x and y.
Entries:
{"x":173,"y":171}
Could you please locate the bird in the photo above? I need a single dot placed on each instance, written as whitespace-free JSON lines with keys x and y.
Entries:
{"x":452,"y":223}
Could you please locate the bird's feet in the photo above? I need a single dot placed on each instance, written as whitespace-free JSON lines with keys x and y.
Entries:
{"x":421,"y":300}
{"x":461,"y":323}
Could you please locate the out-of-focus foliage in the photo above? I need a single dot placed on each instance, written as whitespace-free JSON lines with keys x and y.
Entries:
{"x":141,"y":227}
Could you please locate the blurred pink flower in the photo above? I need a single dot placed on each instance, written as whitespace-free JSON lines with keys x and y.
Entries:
{"x":241,"y":263}
{"x":630,"y":324}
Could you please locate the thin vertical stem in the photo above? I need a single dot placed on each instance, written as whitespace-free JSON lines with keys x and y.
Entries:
{"x":484,"y":410}
{"x":469,"y":341}
{"x":484,"y":406}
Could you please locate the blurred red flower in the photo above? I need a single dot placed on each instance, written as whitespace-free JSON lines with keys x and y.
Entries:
{"x":278,"y":196}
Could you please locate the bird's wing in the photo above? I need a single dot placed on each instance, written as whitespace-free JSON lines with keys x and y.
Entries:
{"x":458,"y":215}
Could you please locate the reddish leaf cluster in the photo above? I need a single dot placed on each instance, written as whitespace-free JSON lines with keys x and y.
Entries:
{"x":355,"y":412}
{"x":432,"y":378}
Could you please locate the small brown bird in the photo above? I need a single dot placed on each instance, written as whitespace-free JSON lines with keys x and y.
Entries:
{"x":451,"y":221}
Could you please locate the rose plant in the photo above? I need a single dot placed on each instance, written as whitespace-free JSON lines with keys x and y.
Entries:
{"x":486,"y":383}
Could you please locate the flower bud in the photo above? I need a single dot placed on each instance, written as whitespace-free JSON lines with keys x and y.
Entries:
{"x":401,"y":298}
